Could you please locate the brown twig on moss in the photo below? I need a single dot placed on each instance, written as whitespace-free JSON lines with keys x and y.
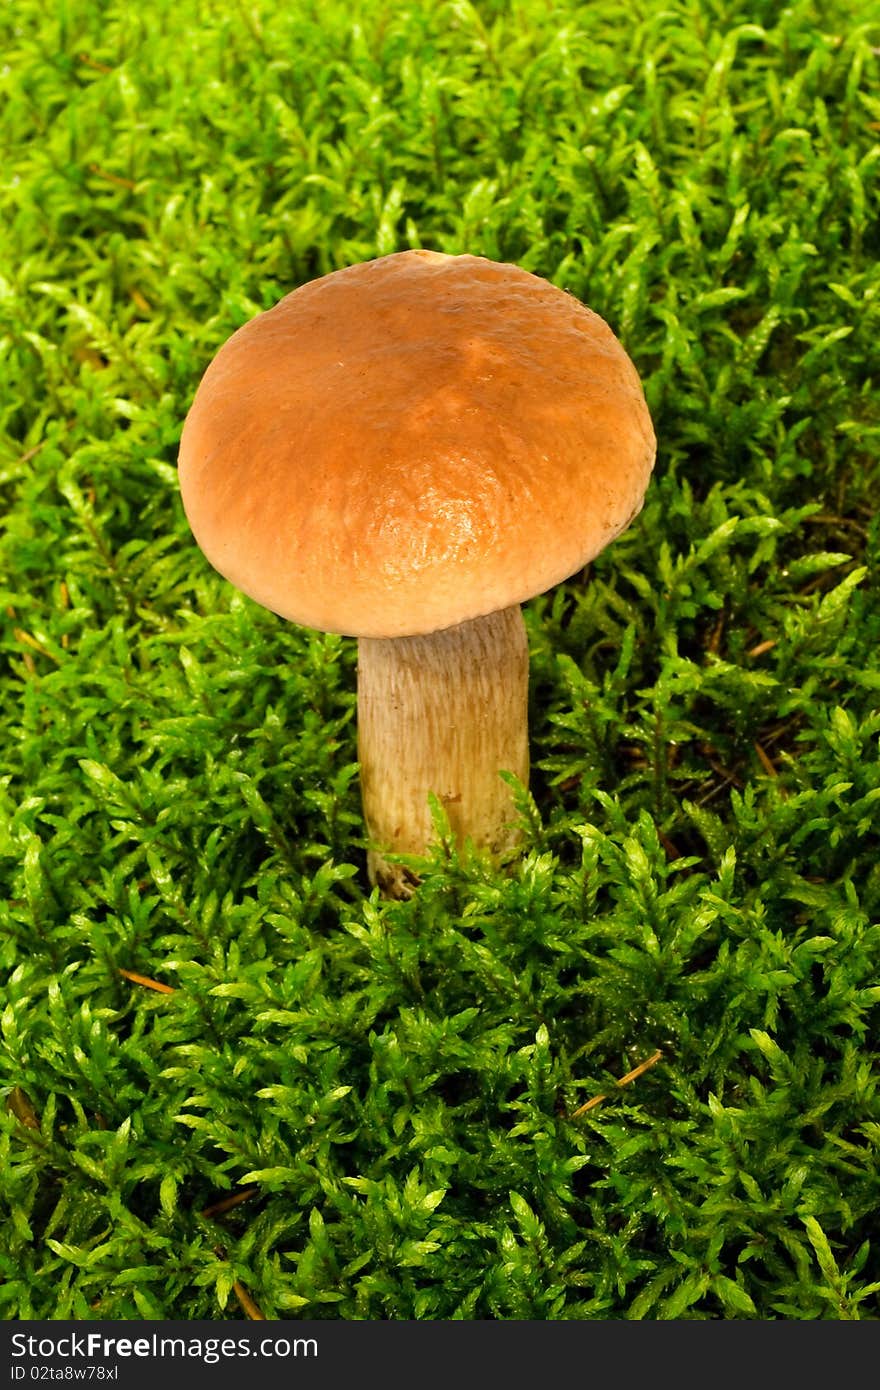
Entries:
{"x":765,"y":760}
{"x":622,"y":1081}
{"x":147,"y":982}
{"x":762,"y":647}
{"x":227,"y":1203}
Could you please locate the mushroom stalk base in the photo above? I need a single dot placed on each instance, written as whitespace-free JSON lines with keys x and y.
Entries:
{"x":445,"y":713}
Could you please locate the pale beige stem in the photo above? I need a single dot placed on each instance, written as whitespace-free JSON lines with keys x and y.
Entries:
{"x":445,"y":713}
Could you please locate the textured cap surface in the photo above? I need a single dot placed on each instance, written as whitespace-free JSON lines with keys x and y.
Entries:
{"x":413,"y":442}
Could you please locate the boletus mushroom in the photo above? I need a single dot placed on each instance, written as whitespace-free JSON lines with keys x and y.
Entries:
{"x":404,"y":451}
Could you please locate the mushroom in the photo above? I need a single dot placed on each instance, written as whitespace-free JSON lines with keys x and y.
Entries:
{"x":404,"y":451}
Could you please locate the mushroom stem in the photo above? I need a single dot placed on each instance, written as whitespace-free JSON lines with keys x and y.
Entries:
{"x":444,"y":713}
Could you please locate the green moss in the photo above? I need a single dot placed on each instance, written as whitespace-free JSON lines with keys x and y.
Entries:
{"x":394,"y":1085}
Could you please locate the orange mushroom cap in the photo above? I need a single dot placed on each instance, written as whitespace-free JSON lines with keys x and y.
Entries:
{"x":413,"y":442}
